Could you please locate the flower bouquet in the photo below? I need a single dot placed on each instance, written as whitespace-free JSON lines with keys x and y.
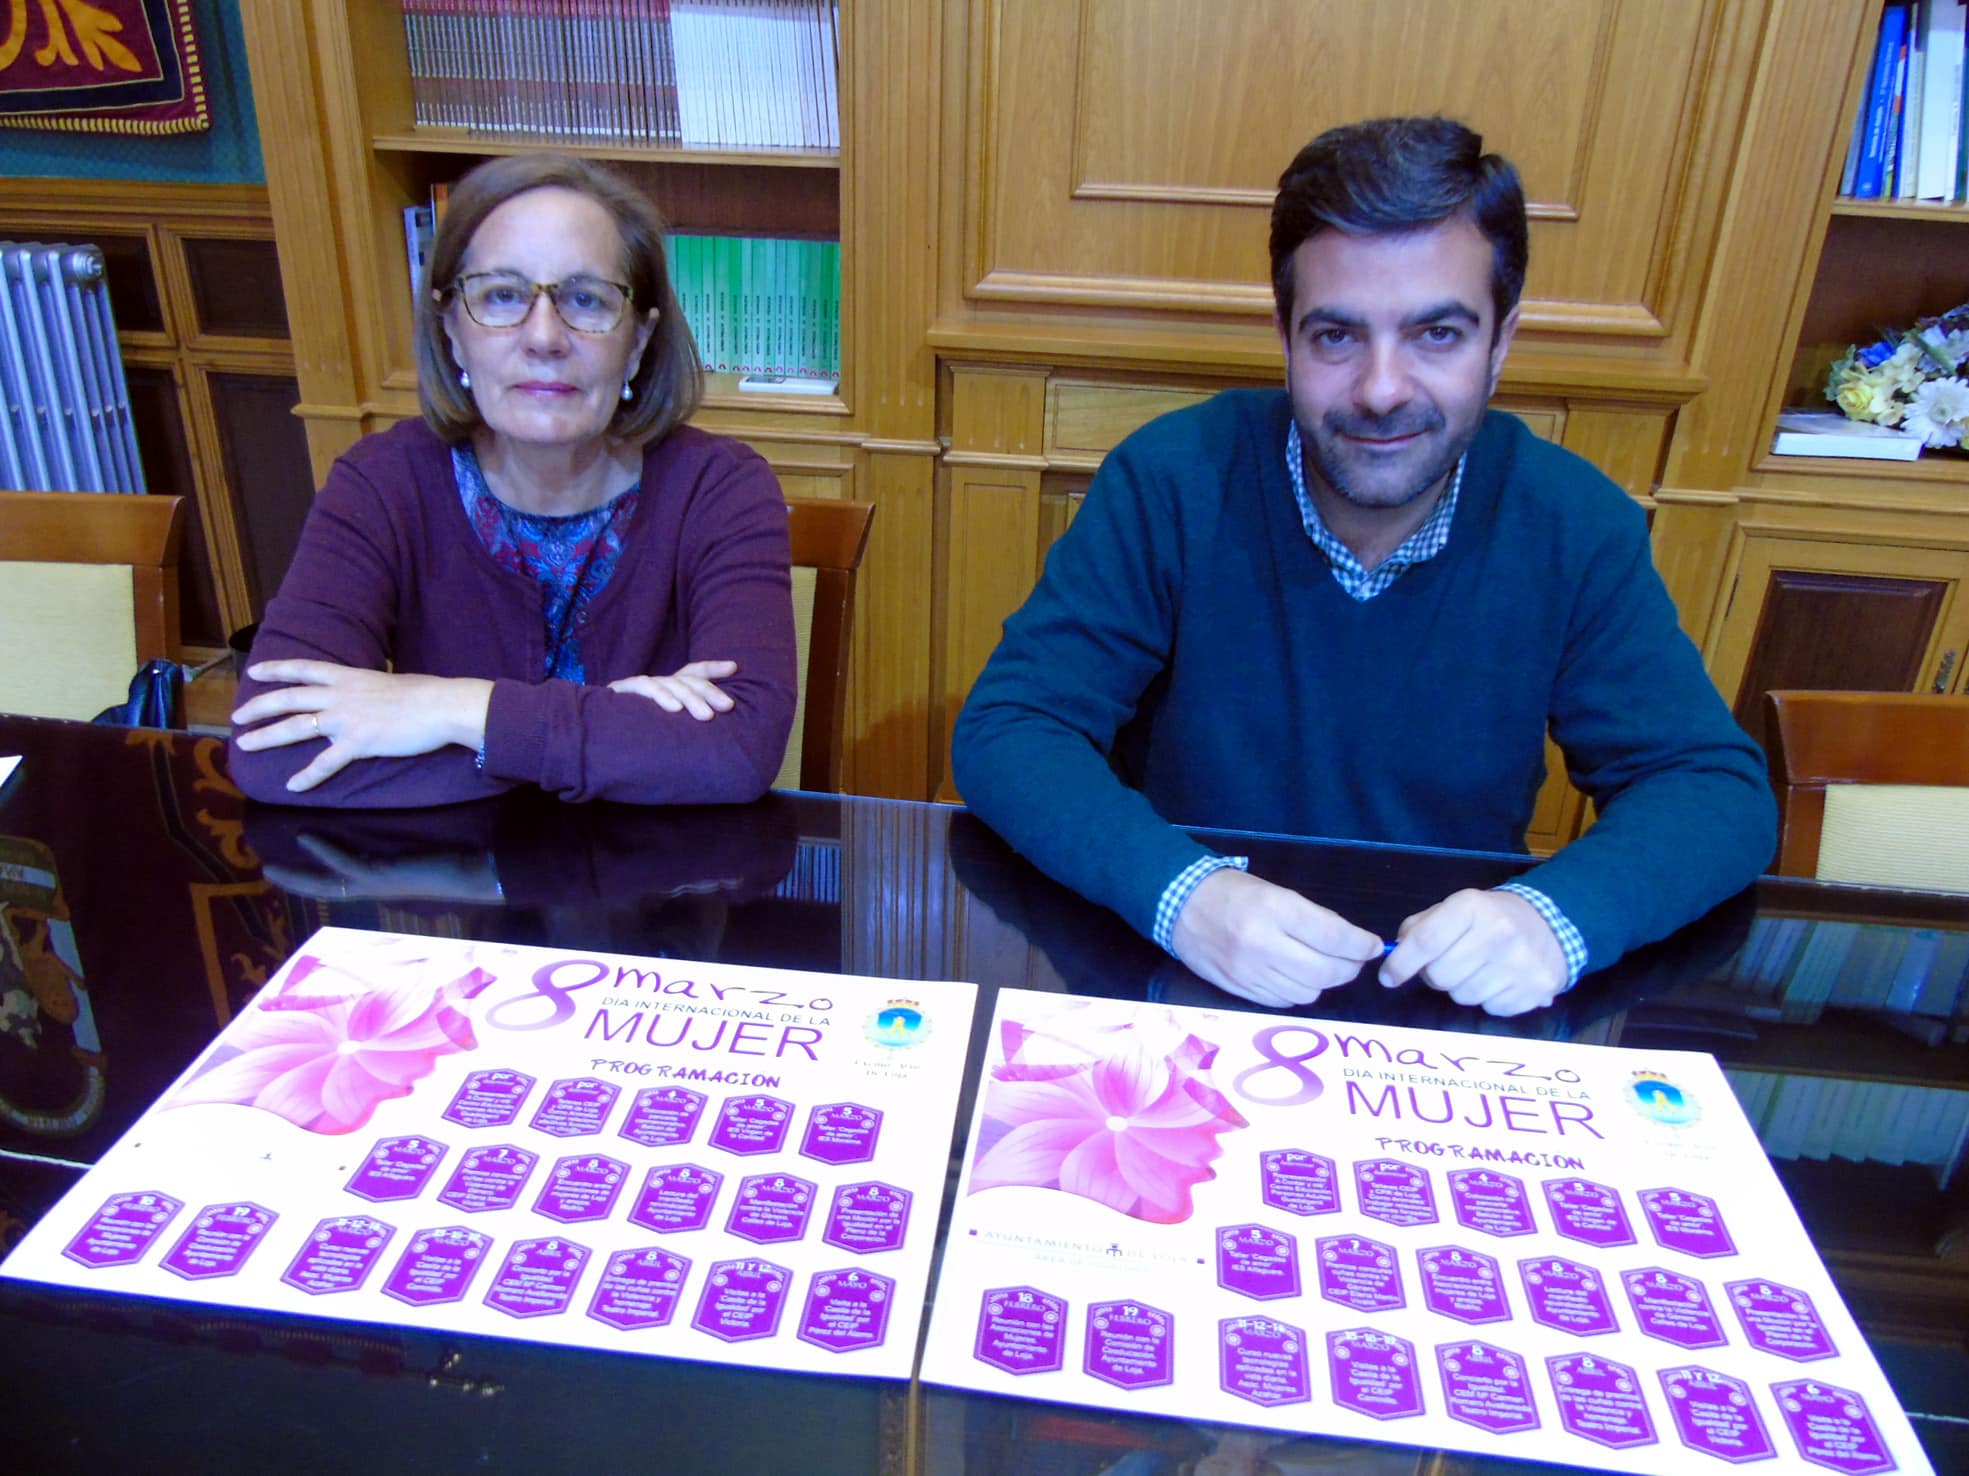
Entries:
{"x":1916,"y":381}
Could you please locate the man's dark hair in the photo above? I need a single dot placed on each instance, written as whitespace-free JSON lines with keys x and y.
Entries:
{"x":1400,"y":174}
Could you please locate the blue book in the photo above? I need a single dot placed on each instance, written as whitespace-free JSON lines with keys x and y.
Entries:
{"x":1870,"y":178}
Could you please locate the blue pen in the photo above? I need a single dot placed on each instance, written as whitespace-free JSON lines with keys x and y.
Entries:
{"x":1388,"y":948}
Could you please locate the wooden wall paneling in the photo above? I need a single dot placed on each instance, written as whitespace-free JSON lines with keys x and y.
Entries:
{"x":892,"y":689}
{"x":1624,"y":442}
{"x":1767,"y":248}
{"x":990,"y":540}
{"x":294,"y":109}
{"x":1690,"y":535}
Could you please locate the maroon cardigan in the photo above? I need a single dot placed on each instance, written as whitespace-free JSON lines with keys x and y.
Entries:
{"x":389,"y":573}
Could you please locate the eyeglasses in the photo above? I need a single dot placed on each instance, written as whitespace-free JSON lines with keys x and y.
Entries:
{"x":505,"y":300}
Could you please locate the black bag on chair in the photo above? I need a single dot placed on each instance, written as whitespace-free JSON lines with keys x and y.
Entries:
{"x":156,"y":700}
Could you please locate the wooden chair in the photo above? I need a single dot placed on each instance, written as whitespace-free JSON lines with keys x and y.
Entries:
{"x":92,"y":594}
{"x":829,"y":538}
{"x":1872,"y":787}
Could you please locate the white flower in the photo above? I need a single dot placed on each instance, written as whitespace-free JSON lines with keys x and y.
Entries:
{"x":1905,"y":369}
{"x":1951,"y":346}
{"x":1940,"y":412}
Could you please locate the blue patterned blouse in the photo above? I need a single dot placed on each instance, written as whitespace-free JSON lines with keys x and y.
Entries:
{"x":571,"y":557}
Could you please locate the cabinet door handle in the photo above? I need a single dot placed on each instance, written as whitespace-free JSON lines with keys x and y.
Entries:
{"x":1943,"y":672}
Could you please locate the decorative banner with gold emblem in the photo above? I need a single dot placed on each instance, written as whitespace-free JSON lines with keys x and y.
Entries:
{"x":699,"y":1160}
{"x":101,"y":66}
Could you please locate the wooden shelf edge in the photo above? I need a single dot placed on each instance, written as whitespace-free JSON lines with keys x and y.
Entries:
{"x":1937,"y":210}
{"x":464,"y":141}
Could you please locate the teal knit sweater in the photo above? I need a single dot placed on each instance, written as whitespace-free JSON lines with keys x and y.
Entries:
{"x":1188,"y":659}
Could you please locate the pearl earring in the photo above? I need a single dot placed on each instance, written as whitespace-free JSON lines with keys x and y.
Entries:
{"x":464,"y":379}
{"x":628,"y":393}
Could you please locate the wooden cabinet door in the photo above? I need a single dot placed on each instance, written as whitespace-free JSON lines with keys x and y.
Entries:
{"x":1857,"y":617}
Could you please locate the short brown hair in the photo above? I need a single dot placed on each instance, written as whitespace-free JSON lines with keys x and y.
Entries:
{"x":1389,"y":175}
{"x":669,"y":381}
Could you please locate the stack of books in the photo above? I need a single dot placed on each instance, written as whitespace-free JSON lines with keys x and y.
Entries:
{"x":1907,"y":141}
{"x":738,"y":74}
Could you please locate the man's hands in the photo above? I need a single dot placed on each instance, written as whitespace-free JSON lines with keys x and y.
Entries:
{"x":1267,"y":943}
{"x":1481,"y":948}
{"x":1273,"y":947}
{"x":692,"y":688}
{"x":361,"y":713}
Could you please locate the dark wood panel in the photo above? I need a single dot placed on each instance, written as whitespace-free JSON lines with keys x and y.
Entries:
{"x":235,"y":287}
{"x":267,"y":471}
{"x":163,"y":447}
{"x":133,"y":295}
{"x":1838,"y":633}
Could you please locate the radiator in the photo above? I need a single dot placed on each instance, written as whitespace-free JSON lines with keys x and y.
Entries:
{"x":65,"y":423}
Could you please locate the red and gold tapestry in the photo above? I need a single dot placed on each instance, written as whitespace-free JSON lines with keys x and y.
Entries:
{"x":101,"y":66}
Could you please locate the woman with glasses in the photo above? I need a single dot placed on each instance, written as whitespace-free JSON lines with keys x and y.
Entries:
{"x":550,"y":579}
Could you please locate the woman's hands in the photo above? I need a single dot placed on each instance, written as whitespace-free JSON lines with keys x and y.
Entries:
{"x":360,"y":713}
{"x":692,"y":688}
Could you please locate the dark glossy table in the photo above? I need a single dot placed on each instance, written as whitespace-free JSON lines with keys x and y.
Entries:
{"x":142,"y":901}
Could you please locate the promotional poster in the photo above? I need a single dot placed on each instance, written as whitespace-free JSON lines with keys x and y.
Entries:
{"x":1561,"y":1253}
{"x":705,"y":1161}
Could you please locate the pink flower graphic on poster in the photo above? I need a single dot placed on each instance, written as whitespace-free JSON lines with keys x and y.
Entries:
{"x":1122,"y":1114}
{"x":327,"y":1059}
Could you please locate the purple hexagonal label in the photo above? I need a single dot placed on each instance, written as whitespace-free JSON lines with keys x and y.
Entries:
{"x":575,"y":1108}
{"x":841,"y":1132}
{"x":537,"y":1278}
{"x":1672,"y":1307}
{"x":1374,"y":1373}
{"x":1568,"y":1296}
{"x":1263,"y":1361}
{"x":1588,"y":1212}
{"x":1486,"y":1386}
{"x":676,"y":1197}
{"x":639,"y":1289}
{"x":1685,"y":1222}
{"x":742,"y":1300}
{"x":1600,"y":1400}
{"x":339,"y":1255}
{"x":1832,"y":1427}
{"x":218,"y":1241}
{"x":1130,"y":1345}
{"x":489,"y":1099}
{"x":1715,"y":1414}
{"x":1780,"y":1319}
{"x":1021,"y":1330}
{"x":396,"y":1168}
{"x":866,"y":1218}
{"x":750,"y":1125}
{"x":488,"y":1178}
{"x":847,"y":1310}
{"x":1462,"y":1284}
{"x":582,"y":1187}
{"x":1490,"y":1203}
{"x":1395,"y":1192}
{"x":121,"y":1231}
{"x":662,"y":1117}
{"x":438,"y":1266}
{"x":1298,"y":1182}
{"x":1359,"y":1273}
{"x":770,"y":1208}
{"x":1258,"y":1263}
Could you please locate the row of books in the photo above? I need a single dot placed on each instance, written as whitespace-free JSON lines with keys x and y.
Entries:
{"x":768,"y":310}
{"x":765,"y":308}
{"x":1918,"y":978}
{"x":735,"y":74}
{"x":1908,"y":140}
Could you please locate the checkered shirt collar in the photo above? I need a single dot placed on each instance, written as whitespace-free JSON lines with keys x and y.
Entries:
{"x":1419,"y":547}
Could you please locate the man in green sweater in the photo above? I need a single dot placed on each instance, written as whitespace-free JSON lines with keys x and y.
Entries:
{"x":1354,"y":609}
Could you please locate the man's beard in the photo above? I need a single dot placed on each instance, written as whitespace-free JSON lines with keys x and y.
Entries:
{"x":1354,"y":476}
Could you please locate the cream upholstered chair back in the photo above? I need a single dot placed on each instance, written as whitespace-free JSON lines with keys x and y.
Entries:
{"x":89,"y":593}
{"x":1873,"y":787}
{"x":829,"y":538}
